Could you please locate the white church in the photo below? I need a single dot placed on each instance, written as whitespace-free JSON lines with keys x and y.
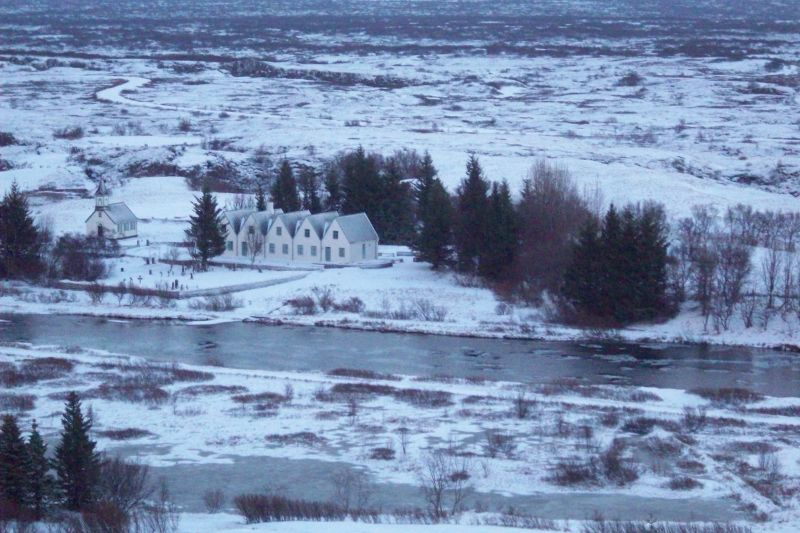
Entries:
{"x":111,"y":221}
{"x":299,"y":236}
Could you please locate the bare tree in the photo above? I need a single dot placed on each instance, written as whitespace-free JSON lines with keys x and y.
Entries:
{"x":444,"y":477}
{"x":351,"y":489}
{"x":771,"y":264}
{"x":551,"y":212}
{"x":125,"y":484}
{"x":240,"y":201}
{"x":788,"y":285}
{"x":255,"y":243}
{"x":747,"y":308}
{"x":731,"y":274}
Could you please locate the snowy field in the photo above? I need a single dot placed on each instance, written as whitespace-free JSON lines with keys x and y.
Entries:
{"x":714,"y":454}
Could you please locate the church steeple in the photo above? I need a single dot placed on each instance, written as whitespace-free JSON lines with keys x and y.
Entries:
{"x":101,"y":195}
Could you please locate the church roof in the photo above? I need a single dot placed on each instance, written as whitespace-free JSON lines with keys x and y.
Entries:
{"x":118,"y":212}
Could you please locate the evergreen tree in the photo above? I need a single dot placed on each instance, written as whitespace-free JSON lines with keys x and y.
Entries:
{"x":398,"y":211}
{"x":333,"y":189}
{"x":13,"y":463}
{"x":19,"y":239}
{"x":501,"y":244}
{"x":425,"y":179}
{"x":309,"y":188}
{"x":41,"y":485}
{"x":435,"y":231}
{"x":76,"y":462}
{"x":284,"y":189}
{"x":362,"y":188}
{"x":471,"y":230}
{"x":261,"y":199}
{"x":582,"y":279}
{"x":206,"y":232}
{"x":621,"y":274}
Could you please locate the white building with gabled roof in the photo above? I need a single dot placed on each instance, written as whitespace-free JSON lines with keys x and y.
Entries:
{"x":111,"y":220}
{"x":299,"y":236}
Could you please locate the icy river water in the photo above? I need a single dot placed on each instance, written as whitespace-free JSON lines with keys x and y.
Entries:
{"x":255,"y":346}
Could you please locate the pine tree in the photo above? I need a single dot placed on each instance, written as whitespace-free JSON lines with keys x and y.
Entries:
{"x":261,"y":199}
{"x":434,"y":239}
{"x":501,"y":246}
{"x":362,"y":188}
{"x":19,"y":239}
{"x":206,"y":232}
{"x":610,"y":258}
{"x":427,"y":174}
{"x":398,"y":211}
{"x":333,"y":190}
{"x":471,"y":230}
{"x":284,"y":189}
{"x":41,"y":485}
{"x":309,"y":188}
{"x":76,"y":462}
{"x":582,"y":279}
{"x":13,"y":463}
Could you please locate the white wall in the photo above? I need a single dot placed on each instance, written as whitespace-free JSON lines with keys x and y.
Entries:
{"x":112,"y":230}
{"x":307,"y":243}
{"x":278,"y":242}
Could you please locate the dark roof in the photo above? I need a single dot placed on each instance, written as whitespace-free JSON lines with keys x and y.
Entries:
{"x":292,"y":219}
{"x":320,"y":222}
{"x":235,"y":218}
{"x":357,"y":228}
{"x":102,"y":190}
{"x":264,"y":220}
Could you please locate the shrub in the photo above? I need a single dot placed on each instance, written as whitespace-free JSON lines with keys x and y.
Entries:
{"x":129,"y":392}
{"x":16,"y":402}
{"x":354,"y":304}
{"x":573,"y":472}
{"x":7,"y":139}
{"x":324,"y":296}
{"x":640,"y":425}
{"x":615,"y":468}
{"x":499,"y":444}
{"x":214,"y":500}
{"x":728,"y":395}
{"x":124,"y":434}
{"x":216,"y":303}
{"x":266,"y":399}
{"x":362,"y":389}
{"x":430,"y":312}
{"x":302,"y":438}
{"x":257,"y":508}
{"x":70,"y":134}
{"x":361,"y":373}
{"x":424,"y":398}
{"x":302,"y":305}
{"x":684,"y":483}
{"x":694,"y":419}
{"x":201,"y":390}
{"x":382,"y":454}
{"x":631,"y":79}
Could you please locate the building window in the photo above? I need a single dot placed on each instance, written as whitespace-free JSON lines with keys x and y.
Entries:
{"x":341,"y":252}
{"x":313,"y":251}
{"x":307,"y":233}
{"x":272,"y":247}
{"x":335,"y":234}
{"x":244,"y":248}
{"x":279,"y":231}
{"x":285,"y":249}
{"x":299,"y":249}
{"x":251,"y":230}
{"x":363,"y":250}
{"x":229,"y":246}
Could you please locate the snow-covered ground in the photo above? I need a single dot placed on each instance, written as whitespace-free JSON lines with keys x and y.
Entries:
{"x":210,"y":415}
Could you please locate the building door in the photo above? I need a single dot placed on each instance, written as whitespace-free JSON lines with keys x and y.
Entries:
{"x":327,"y":254}
{"x":100,"y":231}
